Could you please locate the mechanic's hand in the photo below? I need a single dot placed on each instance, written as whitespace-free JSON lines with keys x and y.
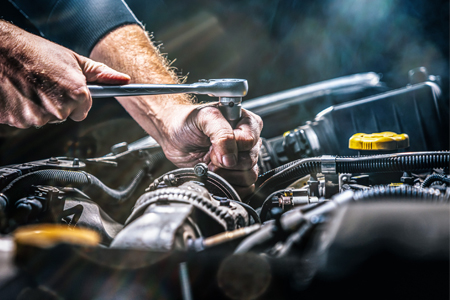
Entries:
{"x":43,"y":82}
{"x":196,"y":134}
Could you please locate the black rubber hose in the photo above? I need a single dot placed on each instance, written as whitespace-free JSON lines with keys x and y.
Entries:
{"x":433,"y":178}
{"x":250,"y":210}
{"x":122,"y":195}
{"x":298,"y":168}
{"x":263,"y":177}
{"x":20,"y":187}
{"x":400,"y":162}
{"x":397,"y":162}
{"x":401,"y":193}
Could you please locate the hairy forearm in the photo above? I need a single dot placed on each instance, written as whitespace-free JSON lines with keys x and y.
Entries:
{"x":128,"y":49}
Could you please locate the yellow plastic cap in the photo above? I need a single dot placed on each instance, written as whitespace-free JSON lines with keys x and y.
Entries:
{"x":48,"y":235}
{"x":379,"y":141}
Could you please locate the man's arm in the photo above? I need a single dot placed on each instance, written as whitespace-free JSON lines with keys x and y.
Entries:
{"x":129,"y":49}
{"x":187,"y":133}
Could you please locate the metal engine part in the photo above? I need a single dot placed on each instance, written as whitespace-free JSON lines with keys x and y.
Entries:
{"x":171,"y":218}
{"x":321,"y":213}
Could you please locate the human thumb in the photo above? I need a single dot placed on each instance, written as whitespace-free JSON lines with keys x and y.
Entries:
{"x":101,"y":73}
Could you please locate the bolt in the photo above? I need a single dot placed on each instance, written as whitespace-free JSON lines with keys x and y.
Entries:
{"x":201,"y":169}
{"x":53,"y":160}
{"x":173,"y":180}
{"x":76,"y":162}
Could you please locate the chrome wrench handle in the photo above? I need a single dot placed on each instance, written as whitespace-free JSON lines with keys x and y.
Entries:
{"x":229,"y":91}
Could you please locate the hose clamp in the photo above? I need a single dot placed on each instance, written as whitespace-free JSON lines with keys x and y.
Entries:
{"x":328,"y":164}
{"x":88,"y":176}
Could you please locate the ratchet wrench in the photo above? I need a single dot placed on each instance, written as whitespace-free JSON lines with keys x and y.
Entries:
{"x":229,"y":91}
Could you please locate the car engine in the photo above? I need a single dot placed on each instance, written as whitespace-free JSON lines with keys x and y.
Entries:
{"x":352,"y":202}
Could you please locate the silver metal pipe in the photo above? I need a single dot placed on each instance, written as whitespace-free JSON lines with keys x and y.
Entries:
{"x":304,"y":93}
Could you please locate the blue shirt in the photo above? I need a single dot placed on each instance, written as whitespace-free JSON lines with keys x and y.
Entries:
{"x":75,"y":24}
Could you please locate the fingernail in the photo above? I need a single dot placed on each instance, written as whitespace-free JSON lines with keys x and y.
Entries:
{"x":229,"y":160}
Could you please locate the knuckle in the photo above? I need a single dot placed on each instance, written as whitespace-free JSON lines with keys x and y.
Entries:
{"x":81,"y":94}
{"x":101,"y":65}
{"x":79,"y":116}
{"x":39,"y":122}
{"x":62,"y":114}
{"x":36,"y":119}
{"x":84,"y":115}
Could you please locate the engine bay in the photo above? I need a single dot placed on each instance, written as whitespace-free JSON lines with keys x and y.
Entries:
{"x":325,"y":219}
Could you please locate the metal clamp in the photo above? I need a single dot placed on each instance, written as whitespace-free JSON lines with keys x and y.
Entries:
{"x":328,"y":164}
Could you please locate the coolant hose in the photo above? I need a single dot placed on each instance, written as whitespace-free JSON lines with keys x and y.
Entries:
{"x":19,"y":187}
{"x":433,"y":178}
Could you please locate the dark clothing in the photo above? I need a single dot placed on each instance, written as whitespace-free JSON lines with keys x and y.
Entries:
{"x":75,"y":24}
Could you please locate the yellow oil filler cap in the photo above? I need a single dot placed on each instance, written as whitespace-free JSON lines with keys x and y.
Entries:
{"x":379,"y":141}
{"x":48,"y":235}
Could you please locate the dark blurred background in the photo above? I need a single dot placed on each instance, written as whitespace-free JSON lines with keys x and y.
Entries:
{"x":281,"y":44}
{"x":274,"y":44}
